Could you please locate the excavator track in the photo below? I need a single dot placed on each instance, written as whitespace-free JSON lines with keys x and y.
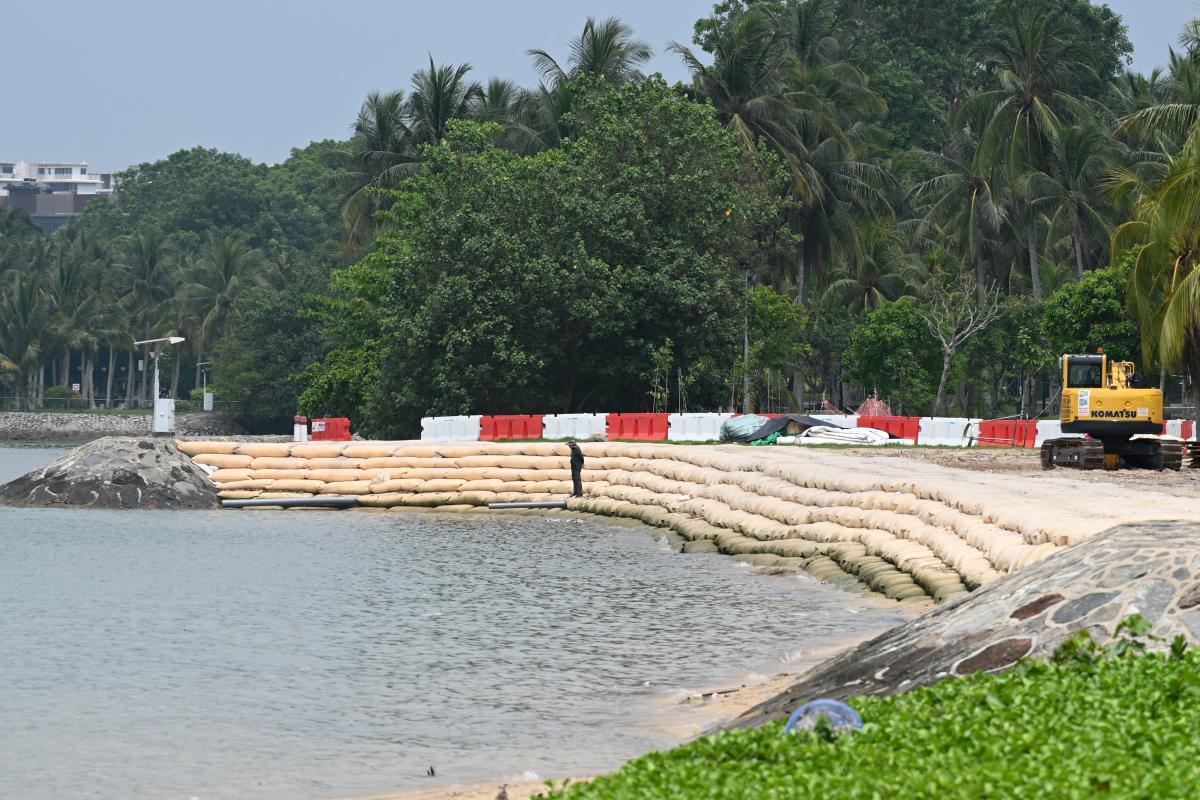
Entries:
{"x":1170,"y":455}
{"x":1073,"y":453}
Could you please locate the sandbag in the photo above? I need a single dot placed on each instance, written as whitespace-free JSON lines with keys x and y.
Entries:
{"x":224,"y":475}
{"x":317,"y":450}
{"x":368,"y":450}
{"x":347,"y":487}
{"x":339,"y":462}
{"x":309,"y":486}
{"x":274,"y":462}
{"x":223,"y":461}
{"x":264,"y":450}
{"x":196,"y":448}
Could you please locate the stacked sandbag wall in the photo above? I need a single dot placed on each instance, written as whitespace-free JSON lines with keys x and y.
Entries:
{"x":897,"y":537}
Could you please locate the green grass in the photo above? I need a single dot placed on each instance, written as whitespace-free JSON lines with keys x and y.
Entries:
{"x":1087,"y":725}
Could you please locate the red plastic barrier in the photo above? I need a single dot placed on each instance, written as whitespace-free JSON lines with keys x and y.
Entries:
{"x":331,"y":429}
{"x":902,"y":427}
{"x":1008,"y":433}
{"x":1188,"y":429}
{"x":643,"y":427}
{"x":510,"y":426}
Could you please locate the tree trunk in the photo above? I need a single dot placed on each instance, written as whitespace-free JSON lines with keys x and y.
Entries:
{"x":1034,"y":274}
{"x":89,"y":394}
{"x":1078,"y":251}
{"x":129,"y":381}
{"x":939,"y":402}
{"x":175,"y":375}
{"x":802,"y":279}
{"x":64,"y":366}
{"x":798,"y":388}
{"x":980,"y":284}
{"x":112,"y":367}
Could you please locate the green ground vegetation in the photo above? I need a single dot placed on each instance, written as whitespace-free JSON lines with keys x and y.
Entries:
{"x":1086,"y":724}
{"x":830,"y":169}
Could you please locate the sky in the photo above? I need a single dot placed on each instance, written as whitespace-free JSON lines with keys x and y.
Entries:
{"x":120,"y":82}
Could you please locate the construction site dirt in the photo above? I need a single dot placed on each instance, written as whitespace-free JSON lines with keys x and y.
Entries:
{"x":1019,"y":461}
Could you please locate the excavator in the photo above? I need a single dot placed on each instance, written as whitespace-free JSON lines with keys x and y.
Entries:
{"x":1122,"y":421}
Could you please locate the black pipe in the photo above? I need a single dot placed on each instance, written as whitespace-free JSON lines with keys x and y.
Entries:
{"x":319,"y":501}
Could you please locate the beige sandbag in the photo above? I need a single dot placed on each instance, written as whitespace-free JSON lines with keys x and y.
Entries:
{"x":427,"y":474}
{"x":387,"y":462}
{"x":316,"y":450}
{"x":225,"y":475}
{"x":474,"y":498}
{"x":347,"y":487}
{"x":441,"y":485}
{"x":252,"y":484}
{"x":519,"y":462}
{"x":275,"y":462}
{"x":459,"y":450}
{"x":309,"y":486}
{"x":427,"y":499}
{"x":271,"y":494}
{"x":334,"y":474}
{"x":223,"y":461}
{"x":396,"y":485}
{"x":544,"y":449}
{"x":415,"y":450}
{"x":239,"y":494}
{"x":335,"y":463}
{"x":368,"y":450}
{"x":279,"y":474}
{"x":264,"y":449}
{"x":382,"y":500}
{"x":196,"y":448}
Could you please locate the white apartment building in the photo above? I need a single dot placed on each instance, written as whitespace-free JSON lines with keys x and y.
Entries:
{"x":73,"y":177}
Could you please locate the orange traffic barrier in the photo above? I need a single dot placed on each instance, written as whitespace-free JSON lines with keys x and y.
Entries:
{"x":510,"y":426}
{"x":642,"y":427}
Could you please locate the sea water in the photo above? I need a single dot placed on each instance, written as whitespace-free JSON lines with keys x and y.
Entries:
{"x":316,"y":654}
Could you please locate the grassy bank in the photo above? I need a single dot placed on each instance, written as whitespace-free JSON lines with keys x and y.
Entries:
{"x":1090,"y":723}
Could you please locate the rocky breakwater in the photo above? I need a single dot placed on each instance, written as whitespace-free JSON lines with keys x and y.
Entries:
{"x":116,"y":472}
{"x":907,"y":530}
{"x":1151,"y":569}
{"x":62,"y":426}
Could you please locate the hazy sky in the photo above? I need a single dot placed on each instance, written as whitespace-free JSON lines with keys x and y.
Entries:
{"x":123,"y":81}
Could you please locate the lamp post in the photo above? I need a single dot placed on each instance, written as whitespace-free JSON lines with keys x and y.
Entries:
{"x":744,"y":265}
{"x":164,"y":419}
{"x":202,"y":367}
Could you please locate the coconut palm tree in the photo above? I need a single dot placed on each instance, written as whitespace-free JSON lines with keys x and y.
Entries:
{"x":440,"y":93}
{"x":378,"y":156}
{"x":1033,"y":60}
{"x":1068,"y":190}
{"x":23,"y":316}
{"x":1162,"y":239}
{"x":963,"y":201}
{"x":209,"y":286}
{"x":885,"y":269}
{"x":148,"y":263}
{"x":605,"y":49}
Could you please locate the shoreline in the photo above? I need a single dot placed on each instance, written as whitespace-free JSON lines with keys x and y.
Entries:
{"x":678,"y":714}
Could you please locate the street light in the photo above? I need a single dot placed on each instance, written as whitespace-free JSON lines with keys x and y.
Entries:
{"x":157,"y":352}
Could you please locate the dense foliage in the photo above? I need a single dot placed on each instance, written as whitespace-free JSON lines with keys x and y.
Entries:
{"x":1085,"y":725}
{"x":587,"y":244}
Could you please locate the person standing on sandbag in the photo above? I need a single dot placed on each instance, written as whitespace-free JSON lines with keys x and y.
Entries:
{"x":576,"y":469}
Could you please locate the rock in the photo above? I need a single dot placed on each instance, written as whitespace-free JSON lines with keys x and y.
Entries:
{"x":1028,"y":613}
{"x":116,"y":472}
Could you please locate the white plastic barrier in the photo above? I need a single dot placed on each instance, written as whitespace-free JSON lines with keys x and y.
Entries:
{"x":839,"y":420}
{"x":948,"y":431}
{"x":573,"y":426}
{"x":1175,"y":427}
{"x":1052,"y":429}
{"x":450,"y":429}
{"x":695,"y":427}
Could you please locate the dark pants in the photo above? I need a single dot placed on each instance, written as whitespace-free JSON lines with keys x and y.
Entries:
{"x":577,"y":483}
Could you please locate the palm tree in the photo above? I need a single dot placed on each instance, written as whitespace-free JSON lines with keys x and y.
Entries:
{"x":963,"y":200}
{"x":224,"y":267}
{"x":883,"y":271}
{"x":1163,"y":241}
{"x":147,"y":260}
{"x":1068,"y":190}
{"x":23,"y":316}
{"x":378,"y":156}
{"x":1033,"y":61}
{"x":605,"y":49}
{"x":514,"y":109}
{"x":440,"y":93}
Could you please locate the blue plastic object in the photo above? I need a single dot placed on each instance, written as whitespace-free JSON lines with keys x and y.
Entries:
{"x":841,"y":717}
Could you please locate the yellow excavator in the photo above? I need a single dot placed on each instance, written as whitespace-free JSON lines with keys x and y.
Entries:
{"x":1123,"y":422}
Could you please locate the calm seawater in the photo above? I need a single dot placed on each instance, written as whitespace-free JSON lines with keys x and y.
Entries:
{"x":325,"y":654}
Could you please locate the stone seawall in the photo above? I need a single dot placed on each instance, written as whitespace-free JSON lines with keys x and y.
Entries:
{"x":82,"y":427}
{"x":905,"y":529}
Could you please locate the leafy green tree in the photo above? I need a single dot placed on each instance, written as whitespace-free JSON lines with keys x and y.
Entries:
{"x":548,"y":282}
{"x":891,"y":351}
{"x":604,"y":49}
{"x":271,"y":340}
{"x":1091,"y":313}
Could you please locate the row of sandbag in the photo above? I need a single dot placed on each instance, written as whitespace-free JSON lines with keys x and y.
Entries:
{"x":900,"y":528}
